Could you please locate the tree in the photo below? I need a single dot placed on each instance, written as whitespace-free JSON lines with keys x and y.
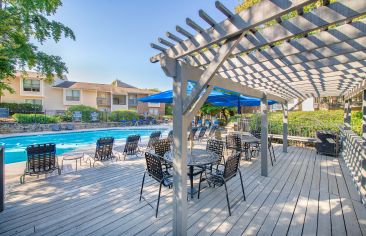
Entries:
{"x":24,"y":21}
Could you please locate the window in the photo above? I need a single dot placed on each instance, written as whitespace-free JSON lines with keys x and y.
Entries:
{"x":153,"y":111}
{"x":34,"y":101}
{"x":119,"y":99}
{"x":132,"y":99}
{"x":31,"y":85}
{"x":73,"y":95}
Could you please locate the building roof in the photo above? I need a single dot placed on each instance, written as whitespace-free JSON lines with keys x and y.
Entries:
{"x":103,"y":87}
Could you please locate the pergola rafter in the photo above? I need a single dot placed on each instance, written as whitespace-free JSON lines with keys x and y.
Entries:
{"x":316,"y":53}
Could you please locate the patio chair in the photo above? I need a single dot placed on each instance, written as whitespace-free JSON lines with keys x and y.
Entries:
{"x":221,"y":178}
{"x":212,"y":131}
{"x":69,"y":127}
{"x":216,"y":146}
{"x":55,"y":127}
{"x":233,"y":143}
{"x":154,"y":137}
{"x":271,"y":150}
{"x":170,"y":135}
{"x":104,"y":150}
{"x":41,"y":159}
{"x":201,"y":134}
{"x":161,"y":147}
{"x":132,"y":146}
{"x":155,"y":171}
{"x":192,"y":133}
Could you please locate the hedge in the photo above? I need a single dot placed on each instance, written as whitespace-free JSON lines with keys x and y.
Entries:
{"x":85,"y":112}
{"x":35,"y":118}
{"x":123,"y":115}
{"x":21,"y":107}
{"x":306,"y":123}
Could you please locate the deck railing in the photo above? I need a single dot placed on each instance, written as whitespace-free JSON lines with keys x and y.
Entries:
{"x":354,"y":155}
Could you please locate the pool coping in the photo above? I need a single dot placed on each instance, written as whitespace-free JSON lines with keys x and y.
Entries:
{"x":167,"y":126}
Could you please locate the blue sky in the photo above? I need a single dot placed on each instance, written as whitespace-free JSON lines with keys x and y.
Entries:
{"x":113,"y":37}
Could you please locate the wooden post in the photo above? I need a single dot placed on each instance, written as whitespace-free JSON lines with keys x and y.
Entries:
{"x":264,"y":136}
{"x":347,"y":114}
{"x":364,"y":118}
{"x":180,"y":155}
{"x":285,"y":126}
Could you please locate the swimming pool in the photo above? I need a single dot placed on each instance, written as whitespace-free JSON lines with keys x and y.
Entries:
{"x":65,"y":142}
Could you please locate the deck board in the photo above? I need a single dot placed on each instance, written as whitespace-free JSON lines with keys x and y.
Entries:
{"x":305,"y":194}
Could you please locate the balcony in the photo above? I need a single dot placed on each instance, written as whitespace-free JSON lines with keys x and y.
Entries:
{"x":104,"y":102}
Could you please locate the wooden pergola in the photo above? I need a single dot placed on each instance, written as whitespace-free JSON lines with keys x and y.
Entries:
{"x":316,"y":53}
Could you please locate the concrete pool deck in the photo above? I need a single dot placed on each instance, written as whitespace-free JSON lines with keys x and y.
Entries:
{"x":14,"y":170}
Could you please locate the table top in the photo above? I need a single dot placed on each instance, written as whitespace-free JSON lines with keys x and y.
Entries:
{"x":249,"y":139}
{"x":198,"y":157}
{"x":72,"y":157}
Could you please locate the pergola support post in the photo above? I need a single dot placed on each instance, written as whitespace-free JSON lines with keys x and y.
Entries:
{"x":264,"y":136}
{"x":180,"y":126}
{"x":285,"y":126}
{"x":364,"y":118}
{"x":347,"y":114}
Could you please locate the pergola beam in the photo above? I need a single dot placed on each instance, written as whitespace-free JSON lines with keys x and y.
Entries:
{"x":233,"y":26}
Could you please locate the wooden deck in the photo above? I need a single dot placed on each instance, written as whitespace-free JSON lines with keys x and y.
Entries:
{"x":305,"y":194}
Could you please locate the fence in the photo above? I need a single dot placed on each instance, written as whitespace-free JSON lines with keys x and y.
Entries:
{"x":353,"y":153}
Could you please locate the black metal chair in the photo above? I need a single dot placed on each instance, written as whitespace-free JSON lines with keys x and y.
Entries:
{"x":271,"y":150}
{"x":104,"y":150}
{"x":170,"y":135}
{"x":216,"y":146}
{"x":233,"y":143}
{"x":161,"y":147}
{"x":132,"y":146}
{"x":155,"y":171}
{"x":221,"y":178}
{"x":154,"y":137}
{"x":212,"y":131}
{"x":41,"y":159}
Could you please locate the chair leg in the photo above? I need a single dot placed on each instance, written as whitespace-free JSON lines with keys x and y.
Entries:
{"x":242,"y":186}
{"x":199,"y":185}
{"x":270,"y":155}
{"x":142,"y":185}
{"x":157,"y":206}
{"x":227,"y":198}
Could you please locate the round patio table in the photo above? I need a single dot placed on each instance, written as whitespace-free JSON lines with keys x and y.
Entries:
{"x":72,"y":157}
{"x":195,"y":158}
{"x":248,"y":140}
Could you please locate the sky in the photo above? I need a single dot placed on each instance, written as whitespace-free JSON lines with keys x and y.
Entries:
{"x":113,"y":37}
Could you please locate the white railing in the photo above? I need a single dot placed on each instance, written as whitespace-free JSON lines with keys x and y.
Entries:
{"x":353,"y":153}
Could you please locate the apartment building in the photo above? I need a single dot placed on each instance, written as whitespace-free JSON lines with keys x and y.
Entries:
{"x":62,"y":93}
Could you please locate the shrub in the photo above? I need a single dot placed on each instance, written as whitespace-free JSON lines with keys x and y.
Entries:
{"x":21,"y":107}
{"x":35,"y":118}
{"x":123,"y":115}
{"x":85,"y":112}
{"x":306,"y":123}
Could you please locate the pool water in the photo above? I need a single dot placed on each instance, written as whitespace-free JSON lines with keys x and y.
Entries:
{"x":15,"y":146}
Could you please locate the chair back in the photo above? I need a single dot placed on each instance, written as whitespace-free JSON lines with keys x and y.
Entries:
{"x":162,"y":146}
{"x":170,"y":135}
{"x":132,"y":144}
{"x":153,"y":166}
{"x":233,"y":141}
{"x":212,"y":130}
{"x":256,"y":133}
{"x":231,"y":166}
{"x":202,"y":132}
{"x":154,"y":136}
{"x":192,"y":133}
{"x":41,"y":158}
{"x":104,"y":149}
{"x":216,"y":146}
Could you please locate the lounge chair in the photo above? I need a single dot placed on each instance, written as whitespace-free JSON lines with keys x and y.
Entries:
{"x":212,"y":131}
{"x":55,"y":127}
{"x":192,"y":133}
{"x":41,"y":159}
{"x":170,"y":135}
{"x":154,"y":136}
{"x":132,"y":146}
{"x":69,"y":127}
{"x":201,"y":134}
{"x":104,"y":150}
{"x":221,"y":178}
{"x":155,"y":171}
